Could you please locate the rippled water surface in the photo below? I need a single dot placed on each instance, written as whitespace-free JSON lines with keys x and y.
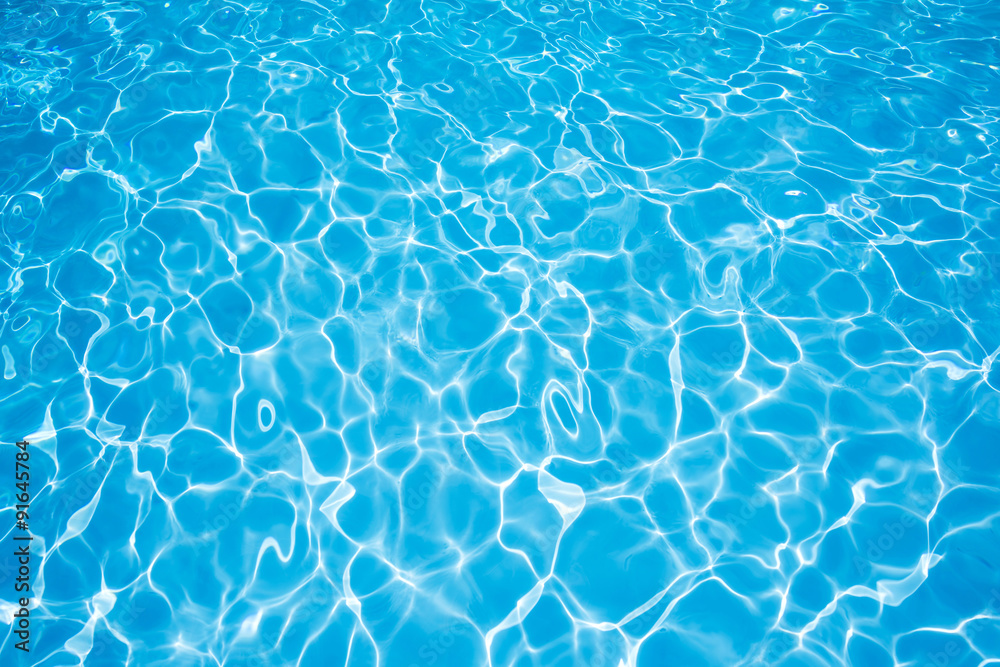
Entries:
{"x":510,"y":333}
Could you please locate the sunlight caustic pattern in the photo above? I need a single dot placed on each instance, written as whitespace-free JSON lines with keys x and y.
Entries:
{"x":504,"y":333}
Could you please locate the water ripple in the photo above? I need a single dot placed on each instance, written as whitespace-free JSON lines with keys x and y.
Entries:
{"x":468,"y":333}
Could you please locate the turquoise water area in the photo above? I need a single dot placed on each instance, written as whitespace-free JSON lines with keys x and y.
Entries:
{"x":507,"y":333}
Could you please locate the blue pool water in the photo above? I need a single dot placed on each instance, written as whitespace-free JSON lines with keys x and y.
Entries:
{"x":502,"y":333}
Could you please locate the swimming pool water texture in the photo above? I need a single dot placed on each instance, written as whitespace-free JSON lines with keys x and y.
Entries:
{"x":459,"y":332}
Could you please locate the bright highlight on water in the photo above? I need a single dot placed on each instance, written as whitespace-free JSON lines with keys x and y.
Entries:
{"x":556,"y":334}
